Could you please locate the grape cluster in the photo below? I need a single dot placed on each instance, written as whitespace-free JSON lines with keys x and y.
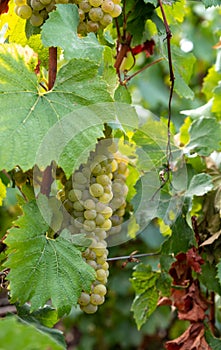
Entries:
{"x":93,"y":14}
{"x":95,"y":200}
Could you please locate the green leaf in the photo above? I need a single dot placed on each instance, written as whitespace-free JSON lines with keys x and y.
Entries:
{"x":122,"y":94}
{"x":204,"y":136}
{"x":15,"y":335}
{"x":202,"y":111}
{"x":181,"y":240}
{"x":25,"y":124}
{"x":199,"y":185}
{"x":209,"y":278}
{"x":210,"y":82}
{"x":174,"y":11}
{"x":216,"y":108}
{"x":214,"y":343}
{"x":61,"y":30}
{"x":209,"y":3}
{"x":183,"y":68}
{"x":144,"y":282}
{"x":42,"y":268}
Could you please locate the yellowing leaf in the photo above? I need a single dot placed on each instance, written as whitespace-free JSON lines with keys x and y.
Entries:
{"x":2,"y":192}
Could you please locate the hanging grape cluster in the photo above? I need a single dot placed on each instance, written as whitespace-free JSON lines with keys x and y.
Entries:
{"x":93,"y":14}
{"x":95,"y":200}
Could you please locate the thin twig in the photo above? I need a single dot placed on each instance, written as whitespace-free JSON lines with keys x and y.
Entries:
{"x":212,"y":312}
{"x":134,"y":256}
{"x":142,"y":69}
{"x":172,"y":80}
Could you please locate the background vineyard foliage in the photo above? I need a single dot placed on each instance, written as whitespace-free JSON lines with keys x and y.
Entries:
{"x":195,"y":29}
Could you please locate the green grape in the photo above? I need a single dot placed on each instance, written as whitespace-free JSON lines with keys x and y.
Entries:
{"x":116,"y":11}
{"x":116,"y":187}
{"x":24,"y":11}
{"x":84,"y":299}
{"x":101,"y":259}
{"x":36,"y":20}
{"x":105,"y":266}
{"x":89,"y":225}
{"x":89,"y":204}
{"x":107,"y":6}
{"x":20,"y":2}
{"x":99,"y":219}
{"x":90,"y":214}
{"x":96,"y":299}
{"x":100,"y":275}
{"x":95,"y":3}
{"x":74,"y":195}
{"x":92,"y":26}
{"x":92,"y":263}
{"x":106,"y":225}
{"x":50,"y":7}
{"x":96,"y":190}
{"x":96,"y":14}
{"x":78,"y":206}
{"x":81,"y":15}
{"x":85,"y":6}
{"x":105,"y":21}
{"x":106,"y":197}
{"x":101,"y":234}
{"x":36,"y":5}
{"x":95,"y":168}
{"x":45,"y":2}
{"x":89,"y":309}
{"x":99,"y":249}
{"x":79,"y":178}
{"x":82,"y":28}
{"x":106,"y":212}
{"x":103,"y":180}
{"x":44,"y":15}
{"x":100,"y":289}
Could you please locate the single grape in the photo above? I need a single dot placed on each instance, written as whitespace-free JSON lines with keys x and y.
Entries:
{"x":100,"y":275}
{"x":106,"y":225}
{"x":74,"y":195}
{"x":84,"y":299}
{"x":106,"y":197}
{"x":20,"y":2}
{"x":89,"y":225}
{"x":92,"y":26}
{"x":104,"y":180}
{"x":99,"y":219}
{"x":107,"y":6}
{"x":99,"y":249}
{"x":96,"y":299}
{"x":89,"y":309}
{"x":92,"y":263}
{"x":95,"y":3}
{"x":106,"y":212}
{"x":90,"y":214}
{"x":85,"y":6}
{"x":100,"y":289}
{"x":81,"y":15}
{"x":116,"y":11}
{"x":105,"y":21}
{"x":96,"y":14}
{"x":24,"y":11}
{"x":101,"y":259}
{"x":89,"y":204}
{"x":79,"y":178}
{"x":36,"y":20}
{"x":78,"y":206}
{"x":36,"y":5}
{"x":96,"y":190}
{"x":45,"y":2}
{"x":82,"y":28}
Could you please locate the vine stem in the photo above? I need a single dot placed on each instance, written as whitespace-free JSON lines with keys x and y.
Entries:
{"x":52,"y":69}
{"x":172,"y":80}
{"x":126,"y":257}
{"x":142,"y":69}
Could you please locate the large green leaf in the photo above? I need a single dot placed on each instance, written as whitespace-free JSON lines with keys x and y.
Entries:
{"x":61,"y":30}
{"x":216,"y":108}
{"x":42,"y":268}
{"x":144,"y":282}
{"x":16,"y":335}
{"x":27,"y":114}
{"x":199,"y":185}
{"x":204,"y":136}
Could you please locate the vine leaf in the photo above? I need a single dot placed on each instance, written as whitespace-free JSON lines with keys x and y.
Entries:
{"x":26,"y":336}
{"x":26,"y":123}
{"x":61,"y":30}
{"x":204,"y":136}
{"x":199,"y":185}
{"x":43,"y":268}
{"x":209,"y":3}
{"x":144,"y":282}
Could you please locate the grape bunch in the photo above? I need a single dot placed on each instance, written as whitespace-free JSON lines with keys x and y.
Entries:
{"x":93,"y":14}
{"x":95,"y":200}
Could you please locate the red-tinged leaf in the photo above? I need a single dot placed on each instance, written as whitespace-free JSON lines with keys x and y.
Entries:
{"x":192,"y":339}
{"x":147,"y":47}
{"x":194,"y":260}
{"x":3,"y":6}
